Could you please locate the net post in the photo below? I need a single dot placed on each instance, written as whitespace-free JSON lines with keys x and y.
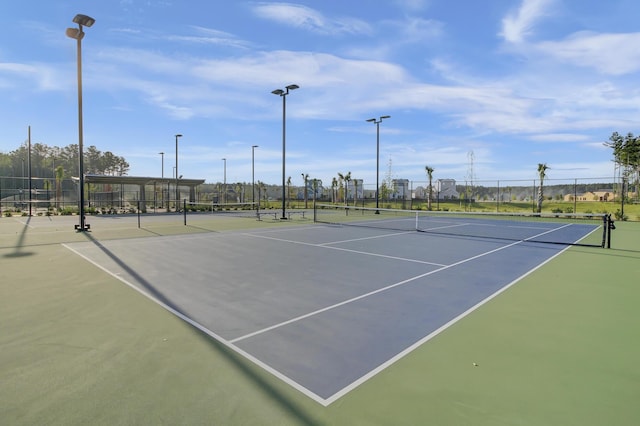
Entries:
{"x":184,"y":210}
{"x":610,"y":228}
{"x":138,"y":214}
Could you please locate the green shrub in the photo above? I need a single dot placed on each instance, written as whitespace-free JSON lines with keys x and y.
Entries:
{"x":619,"y":216}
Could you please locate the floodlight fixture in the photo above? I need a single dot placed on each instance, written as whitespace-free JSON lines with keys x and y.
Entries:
{"x":84,"y":20}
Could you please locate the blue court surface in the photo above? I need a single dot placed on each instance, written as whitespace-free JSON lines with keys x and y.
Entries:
{"x":323,"y":307}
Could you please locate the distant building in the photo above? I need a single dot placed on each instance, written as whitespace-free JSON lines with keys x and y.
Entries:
{"x":401,"y":189}
{"x":601,"y":195}
{"x":445,"y":189}
{"x":355,"y":186}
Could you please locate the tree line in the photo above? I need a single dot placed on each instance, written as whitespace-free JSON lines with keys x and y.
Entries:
{"x":51,"y":162}
{"x":626,"y":155}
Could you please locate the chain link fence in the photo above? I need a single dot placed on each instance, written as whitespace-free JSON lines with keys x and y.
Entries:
{"x":579,"y":195}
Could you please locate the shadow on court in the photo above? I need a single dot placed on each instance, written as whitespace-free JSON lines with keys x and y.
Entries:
{"x":20,"y":243}
{"x":236,"y":359}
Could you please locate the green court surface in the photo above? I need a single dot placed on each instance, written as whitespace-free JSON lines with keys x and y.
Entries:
{"x":78,"y":347}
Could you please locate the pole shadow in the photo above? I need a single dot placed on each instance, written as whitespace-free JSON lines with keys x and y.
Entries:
{"x":18,"y":252}
{"x":241,"y":363}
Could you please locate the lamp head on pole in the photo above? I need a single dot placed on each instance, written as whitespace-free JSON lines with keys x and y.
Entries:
{"x":75,"y":33}
{"x":84,"y":20}
{"x":281,"y":92}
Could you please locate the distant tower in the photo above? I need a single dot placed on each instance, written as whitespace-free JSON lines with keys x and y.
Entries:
{"x":389,"y":177}
{"x":470,"y":174}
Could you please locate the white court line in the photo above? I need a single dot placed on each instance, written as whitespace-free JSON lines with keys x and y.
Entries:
{"x":431,"y":335}
{"x":208,"y":332}
{"x":404,"y":259}
{"x":371,"y":293}
{"x":25,"y":223}
{"x":366,"y":238}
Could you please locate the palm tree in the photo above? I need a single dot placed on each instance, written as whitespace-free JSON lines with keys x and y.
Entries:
{"x":355,"y":195}
{"x":542,"y":168}
{"x":334,"y":189}
{"x":345,"y":178}
{"x":429,"y":171}
{"x":305,"y":176}
{"x":289,"y":191}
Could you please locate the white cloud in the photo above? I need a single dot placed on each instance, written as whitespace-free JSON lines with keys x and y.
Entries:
{"x":38,"y":76}
{"x":304,"y":17}
{"x":517,"y":25}
{"x":210,"y":36}
{"x":560,"y":137}
{"x":413,"y":29}
{"x":614,"y":54}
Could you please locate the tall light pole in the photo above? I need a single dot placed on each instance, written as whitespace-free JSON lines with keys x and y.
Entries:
{"x":177,"y":192}
{"x":377,"y":123}
{"x":29,"y":168}
{"x":78,"y":34}
{"x":224,"y":181}
{"x":162,"y":180}
{"x":283,"y":94}
{"x":253,"y":175}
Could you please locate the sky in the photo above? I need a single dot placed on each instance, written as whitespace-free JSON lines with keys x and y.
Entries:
{"x":476,"y":90}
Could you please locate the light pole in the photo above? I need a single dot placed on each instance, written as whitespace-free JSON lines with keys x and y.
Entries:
{"x":78,"y":34}
{"x":377,"y":123}
{"x":283,"y":94}
{"x":224,"y":181}
{"x":177,"y":192}
{"x":253,"y":175}
{"x":162,"y":180}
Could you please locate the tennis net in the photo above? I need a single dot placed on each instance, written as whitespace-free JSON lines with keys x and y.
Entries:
{"x":233,"y":209}
{"x":552,"y":228}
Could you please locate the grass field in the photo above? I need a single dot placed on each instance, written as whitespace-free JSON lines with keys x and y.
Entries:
{"x":78,"y":347}
{"x":631,"y":210}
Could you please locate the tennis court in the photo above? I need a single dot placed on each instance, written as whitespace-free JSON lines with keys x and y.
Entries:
{"x":349,"y":322}
{"x":326,"y":307}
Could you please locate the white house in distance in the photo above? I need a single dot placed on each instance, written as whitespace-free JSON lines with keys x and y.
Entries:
{"x":401,"y":189}
{"x":445,"y":189}
{"x":353,"y":186}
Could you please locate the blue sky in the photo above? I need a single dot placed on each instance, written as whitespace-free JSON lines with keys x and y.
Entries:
{"x":515,"y":82}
